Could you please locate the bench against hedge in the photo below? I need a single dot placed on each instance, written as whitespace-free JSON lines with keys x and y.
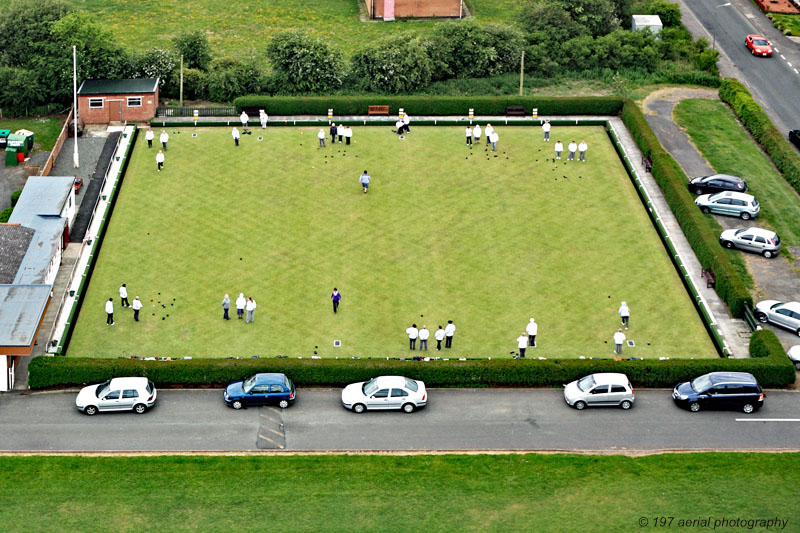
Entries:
{"x":710,"y":276}
{"x":515,"y":110}
{"x":378,"y":110}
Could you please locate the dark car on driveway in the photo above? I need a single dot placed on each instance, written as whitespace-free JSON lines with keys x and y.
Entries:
{"x":261,"y":389}
{"x":716,"y":183}
{"x":720,"y":390}
{"x":794,"y":137}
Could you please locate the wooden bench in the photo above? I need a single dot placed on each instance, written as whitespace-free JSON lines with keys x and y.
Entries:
{"x":647,"y":163}
{"x":378,"y":110}
{"x":515,"y":111}
{"x":710,"y":276}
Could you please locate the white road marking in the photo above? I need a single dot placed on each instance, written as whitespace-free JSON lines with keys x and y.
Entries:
{"x":788,"y":63}
{"x":748,"y":15}
{"x":768,"y":419}
{"x":796,"y":71}
{"x":783,"y":57}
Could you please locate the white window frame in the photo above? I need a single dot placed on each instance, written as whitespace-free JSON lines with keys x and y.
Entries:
{"x":92,"y":101}
{"x":129,"y":98}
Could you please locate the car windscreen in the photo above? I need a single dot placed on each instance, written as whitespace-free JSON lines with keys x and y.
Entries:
{"x":412,"y":385}
{"x":760,"y":42}
{"x":370,"y":387}
{"x":101,"y":389}
{"x":586,"y":383}
{"x":249,"y":383}
{"x":701,"y":384}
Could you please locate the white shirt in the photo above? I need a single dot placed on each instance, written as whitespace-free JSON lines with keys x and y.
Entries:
{"x":449,"y":329}
{"x":263,"y":117}
{"x":532,"y":328}
{"x":340,"y":130}
{"x":424,"y":334}
{"x":240,"y":302}
{"x":439,"y":335}
{"x":469,"y":131}
{"x":489,"y":129}
{"x":412,"y":332}
{"x":109,"y":306}
{"x":522,"y":341}
{"x":398,"y":124}
{"x":235,"y":133}
{"x":582,"y":147}
{"x":476,"y":131}
{"x":136,"y":305}
{"x":559,"y":147}
{"x":624,"y":311}
{"x":244,"y":118}
{"x":164,"y":137}
{"x":160,"y":157}
{"x":321,"y":134}
{"x":348,"y":132}
{"x":494,"y":137}
{"x":572,"y":147}
{"x":619,"y":337}
{"x":150,"y":135}
{"x":251,"y":305}
{"x":546,"y":126}
{"x":123,"y":292}
{"x":406,"y":120}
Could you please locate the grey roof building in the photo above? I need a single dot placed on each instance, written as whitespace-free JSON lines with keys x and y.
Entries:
{"x":14,"y":243}
{"x":21,"y":310}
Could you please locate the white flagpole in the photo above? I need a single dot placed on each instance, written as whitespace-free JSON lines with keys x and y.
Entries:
{"x":75,"y":104}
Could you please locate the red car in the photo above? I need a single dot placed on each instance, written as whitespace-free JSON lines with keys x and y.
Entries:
{"x":758,"y":45}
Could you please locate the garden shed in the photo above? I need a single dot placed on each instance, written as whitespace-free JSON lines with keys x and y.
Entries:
{"x":127,"y":100}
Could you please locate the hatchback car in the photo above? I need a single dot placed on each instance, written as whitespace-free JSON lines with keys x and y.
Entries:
{"x":717,"y":183}
{"x":385,"y":392}
{"x":118,"y":394}
{"x":735,"y":204}
{"x":794,"y":355}
{"x":794,"y":137}
{"x":600,"y":389}
{"x":758,"y":45}
{"x":760,"y":241}
{"x":783,"y":314}
{"x":261,"y":389}
{"x":720,"y":390}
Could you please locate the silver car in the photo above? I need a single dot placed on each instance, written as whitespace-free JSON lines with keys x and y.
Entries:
{"x":784,"y":314}
{"x":600,"y":389}
{"x":735,"y":204}
{"x":385,"y":392}
{"x":757,"y":240}
{"x":118,"y":394}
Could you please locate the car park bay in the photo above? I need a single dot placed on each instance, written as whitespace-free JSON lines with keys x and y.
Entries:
{"x":455,"y":419}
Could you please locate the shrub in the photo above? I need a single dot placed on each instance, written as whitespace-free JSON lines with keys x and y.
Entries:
{"x":764,"y":343}
{"x":228,"y":78}
{"x":155,"y":63}
{"x":15,"y":197}
{"x":5,"y":214}
{"x":598,"y":16}
{"x":304,"y":64}
{"x":195,"y":84}
{"x":195,"y":49}
{"x":399,"y":64}
{"x":546,"y":23}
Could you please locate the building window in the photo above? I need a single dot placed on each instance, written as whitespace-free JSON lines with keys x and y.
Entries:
{"x":95,"y":103}
{"x":134,"y":101}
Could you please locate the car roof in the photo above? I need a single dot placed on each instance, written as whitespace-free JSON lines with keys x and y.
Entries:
{"x":757,"y":36}
{"x":794,"y":306}
{"x":723,"y":176}
{"x":390,"y":381}
{"x":726,"y":377}
{"x":122,"y":383}
{"x":610,"y":378}
{"x":759,"y":231}
{"x":270,"y":377}
{"x":734,"y":194}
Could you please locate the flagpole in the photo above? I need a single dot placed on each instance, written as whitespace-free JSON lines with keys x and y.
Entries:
{"x":75,"y":104}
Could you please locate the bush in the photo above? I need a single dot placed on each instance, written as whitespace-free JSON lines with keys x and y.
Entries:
{"x":764,"y":343}
{"x":195,"y":84}
{"x":195,"y":49}
{"x":304,"y":64}
{"x":15,"y":197}
{"x":5,"y":214}
{"x":761,"y":127}
{"x":399,"y":64}
{"x":227,"y":78}
{"x":155,"y":63}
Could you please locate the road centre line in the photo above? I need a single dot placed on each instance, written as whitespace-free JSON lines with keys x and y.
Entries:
{"x":768,"y":419}
{"x":788,"y":63}
{"x":783,"y":57}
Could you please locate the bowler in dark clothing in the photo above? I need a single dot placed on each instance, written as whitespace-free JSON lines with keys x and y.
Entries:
{"x":336,"y":297}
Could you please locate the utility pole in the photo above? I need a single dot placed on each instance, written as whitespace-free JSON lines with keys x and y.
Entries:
{"x":521,"y":71}
{"x":75,"y":104}
{"x":181,"y":80}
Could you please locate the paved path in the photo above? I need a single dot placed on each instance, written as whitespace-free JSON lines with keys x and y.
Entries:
{"x":455,"y":419}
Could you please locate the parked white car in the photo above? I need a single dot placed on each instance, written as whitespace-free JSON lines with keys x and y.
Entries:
{"x":784,"y":314}
{"x":736,"y":204}
{"x":607,"y":389}
{"x":794,"y":355}
{"x":760,"y":241}
{"x":385,"y":392}
{"x":118,"y":394}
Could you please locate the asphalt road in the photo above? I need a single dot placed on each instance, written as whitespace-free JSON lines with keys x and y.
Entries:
{"x":460,"y":419}
{"x":773,"y":81}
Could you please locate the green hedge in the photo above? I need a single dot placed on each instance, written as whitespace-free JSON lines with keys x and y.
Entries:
{"x":15,"y":197}
{"x":764,"y":343}
{"x":697,"y":227}
{"x":773,"y":369}
{"x":431,"y":105}
{"x":761,"y":127}
{"x":5,"y":214}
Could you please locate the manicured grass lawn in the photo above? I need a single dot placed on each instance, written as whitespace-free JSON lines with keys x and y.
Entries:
{"x":444,"y":233}
{"x":45,"y":130}
{"x":243,"y":29}
{"x":730,"y":150}
{"x":385,"y":493}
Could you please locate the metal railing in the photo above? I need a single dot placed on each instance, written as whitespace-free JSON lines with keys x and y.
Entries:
{"x":202,"y":111}
{"x":752,"y":323}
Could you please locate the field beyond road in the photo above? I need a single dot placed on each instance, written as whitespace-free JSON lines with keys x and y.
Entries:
{"x":401,"y":493}
{"x":445,"y":232}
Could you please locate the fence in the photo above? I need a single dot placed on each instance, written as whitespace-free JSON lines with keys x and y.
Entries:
{"x":202,"y":111}
{"x":51,"y":160}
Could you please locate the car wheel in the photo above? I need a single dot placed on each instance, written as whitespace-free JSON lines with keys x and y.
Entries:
{"x":705,"y":210}
{"x":727,"y":244}
{"x":139,"y":408}
{"x":797,"y":365}
{"x":768,"y":254}
{"x":408,"y":407}
{"x":237,"y":405}
{"x":580,"y":405}
{"x":283,"y":404}
{"x":626,"y":404}
{"x":698,"y":191}
{"x":359,"y":408}
{"x":694,"y":407}
{"x":753,"y":51}
{"x":90,"y":410}
{"x":761,"y":318}
{"x":745,"y":216}
{"x":798,"y":332}
{"x":748,"y":408}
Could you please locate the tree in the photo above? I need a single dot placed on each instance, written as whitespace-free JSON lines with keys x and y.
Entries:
{"x":195,"y":49}
{"x":398,"y":64}
{"x":156,"y":63}
{"x":546,"y":23}
{"x":25,"y":26}
{"x":304,"y":64}
{"x":229,"y":78}
{"x":598,"y":16}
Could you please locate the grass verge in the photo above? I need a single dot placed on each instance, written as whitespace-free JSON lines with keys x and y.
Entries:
{"x":787,"y":22}
{"x":428,"y":492}
{"x":45,"y":130}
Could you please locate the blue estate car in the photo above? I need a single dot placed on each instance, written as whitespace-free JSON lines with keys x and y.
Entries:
{"x":261,"y":389}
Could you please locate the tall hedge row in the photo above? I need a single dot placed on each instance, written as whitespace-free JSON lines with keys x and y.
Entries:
{"x":761,"y":127}
{"x":430,"y":105}
{"x":697,"y":227}
{"x":774,"y":370}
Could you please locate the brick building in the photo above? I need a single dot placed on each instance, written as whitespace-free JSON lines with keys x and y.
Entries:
{"x":104,"y":101}
{"x":391,"y":9}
